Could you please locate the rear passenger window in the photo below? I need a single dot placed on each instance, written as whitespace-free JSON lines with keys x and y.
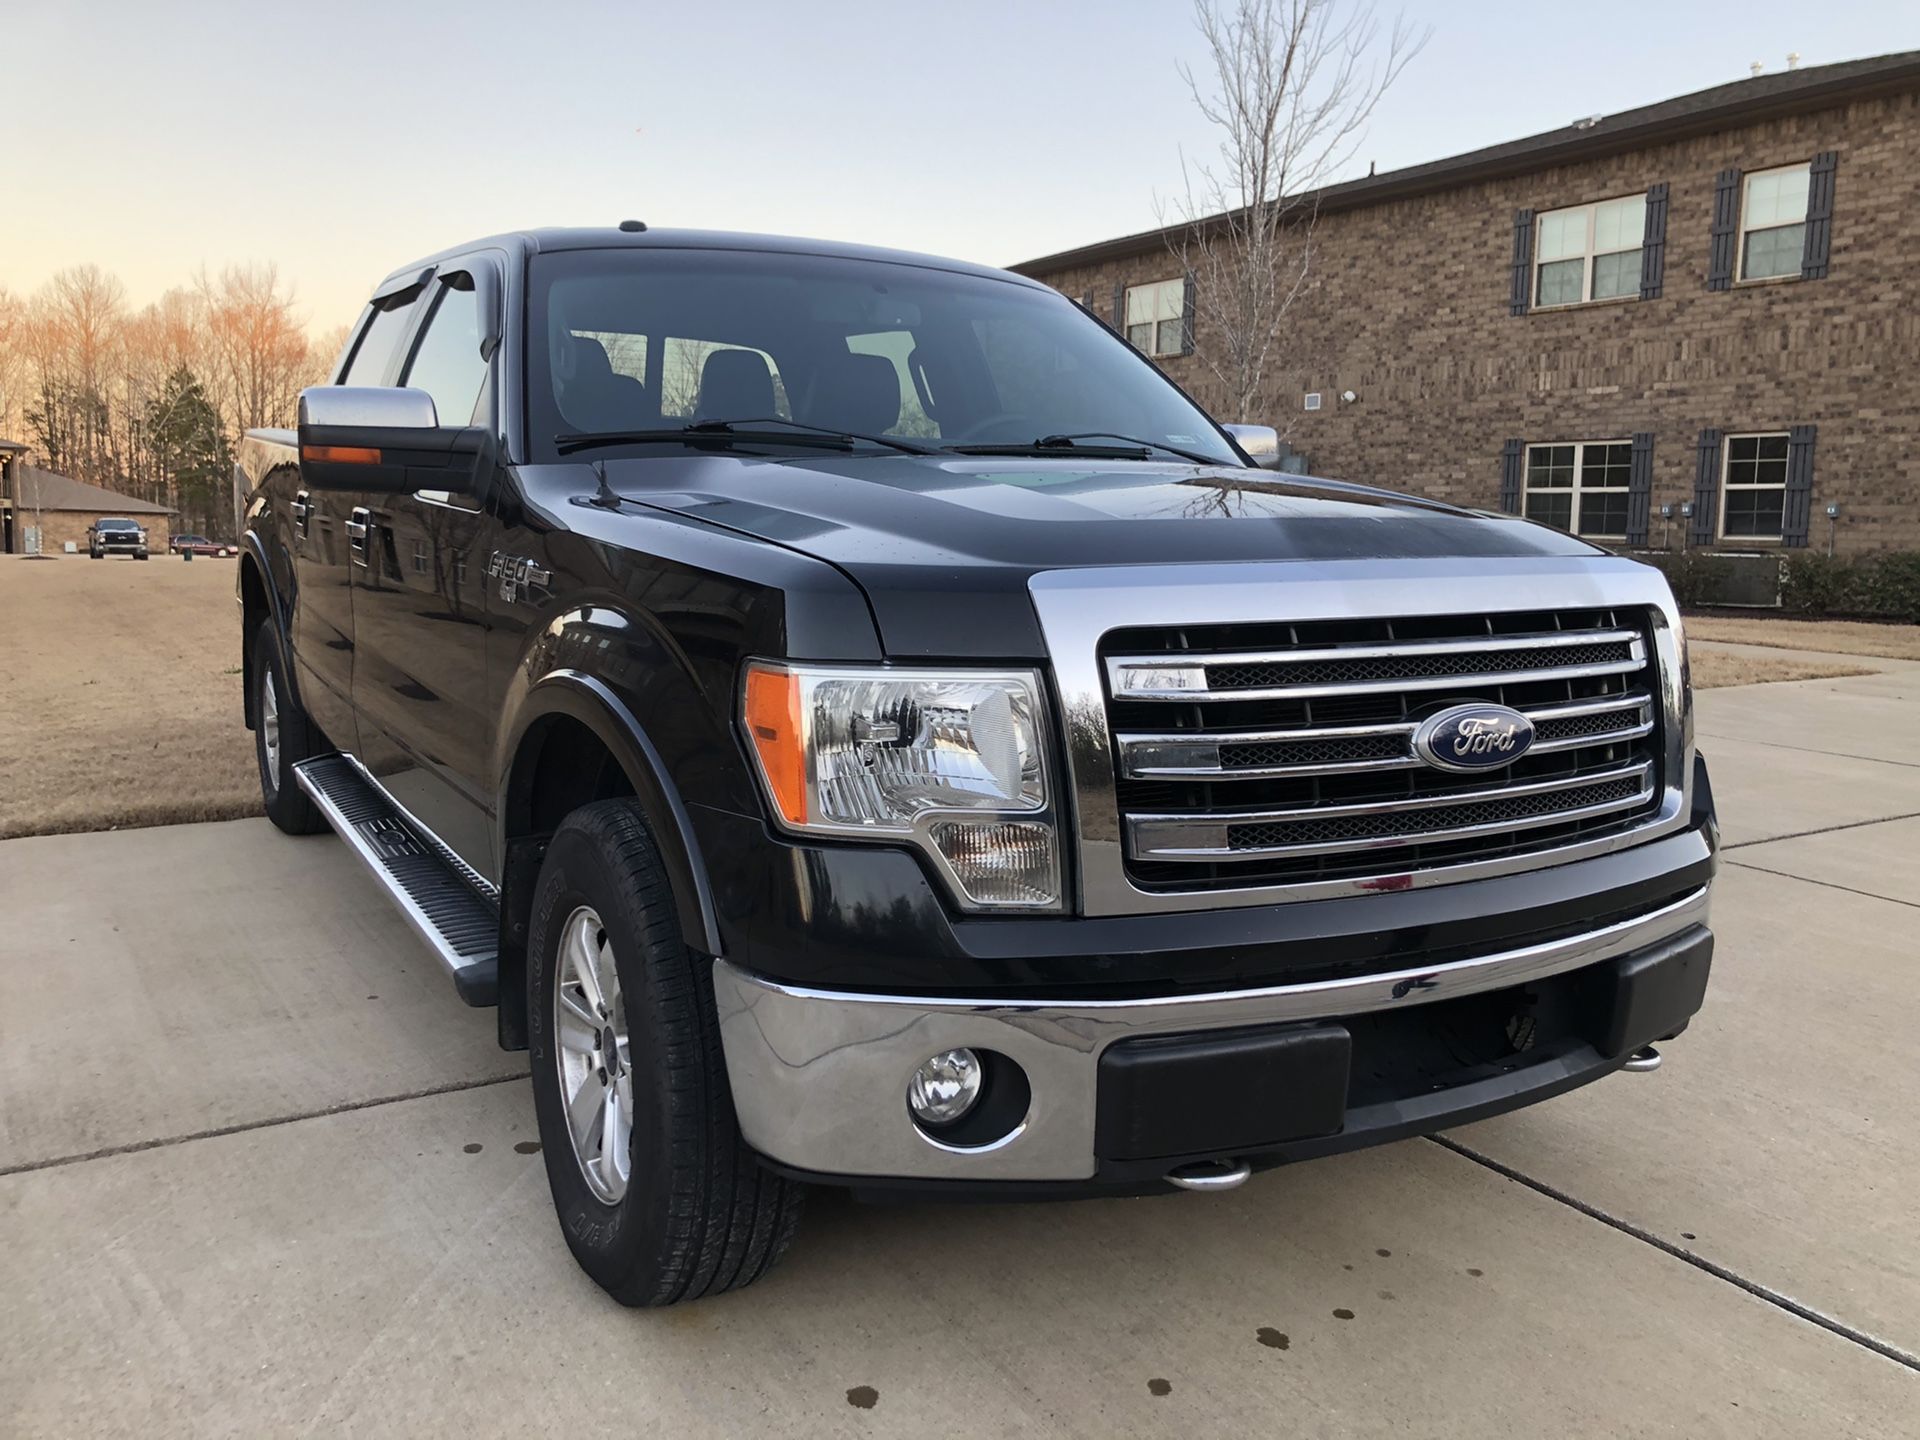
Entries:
{"x":447,"y":363}
{"x":373,"y":356}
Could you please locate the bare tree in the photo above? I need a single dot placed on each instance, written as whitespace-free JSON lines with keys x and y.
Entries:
{"x":1290,"y":86}
{"x":13,"y":364}
{"x":260,"y":353}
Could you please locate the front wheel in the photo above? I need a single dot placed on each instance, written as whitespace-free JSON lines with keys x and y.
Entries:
{"x":659,"y":1197}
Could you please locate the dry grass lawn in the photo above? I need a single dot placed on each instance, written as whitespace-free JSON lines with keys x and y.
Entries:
{"x":120,"y":695}
{"x":1714,"y":669}
{"x":1844,"y":637}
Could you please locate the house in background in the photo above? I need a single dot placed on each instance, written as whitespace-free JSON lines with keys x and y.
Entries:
{"x":64,"y":508}
{"x":1692,"y":324}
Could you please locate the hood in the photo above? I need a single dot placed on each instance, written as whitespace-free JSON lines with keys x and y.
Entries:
{"x":944,"y":546}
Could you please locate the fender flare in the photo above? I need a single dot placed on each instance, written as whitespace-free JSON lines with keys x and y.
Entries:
{"x":253,"y":549}
{"x":591,"y":702}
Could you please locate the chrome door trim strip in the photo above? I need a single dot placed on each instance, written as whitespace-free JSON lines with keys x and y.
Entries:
{"x":1077,"y":607}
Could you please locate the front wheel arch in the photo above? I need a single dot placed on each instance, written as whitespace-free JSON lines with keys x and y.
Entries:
{"x":575,"y":742}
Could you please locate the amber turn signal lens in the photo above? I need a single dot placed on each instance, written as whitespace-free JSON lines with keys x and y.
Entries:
{"x":773,"y":724}
{"x":341,"y":454}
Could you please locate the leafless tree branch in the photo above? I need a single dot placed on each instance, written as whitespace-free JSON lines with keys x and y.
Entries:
{"x":1290,"y":85}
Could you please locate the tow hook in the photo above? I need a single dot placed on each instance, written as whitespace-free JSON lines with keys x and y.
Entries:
{"x":1643,"y":1060}
{"x":1211,"y":1175}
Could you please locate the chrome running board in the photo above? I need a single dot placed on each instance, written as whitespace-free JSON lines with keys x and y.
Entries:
{"x":440,"y":896}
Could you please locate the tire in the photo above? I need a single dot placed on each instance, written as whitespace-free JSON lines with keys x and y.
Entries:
{"x":698,"y":1214}
{"x":93,"y":554}
{"x":141,"y":556}
{"x":294,"y":738}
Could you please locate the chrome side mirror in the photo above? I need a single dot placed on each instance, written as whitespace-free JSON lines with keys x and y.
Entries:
{"x":365,"y":407}
{"x":1261,"y":443}
{"x":383,"y":439}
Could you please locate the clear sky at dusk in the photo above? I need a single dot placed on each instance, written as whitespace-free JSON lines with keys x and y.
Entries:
{"x":340,"y":139}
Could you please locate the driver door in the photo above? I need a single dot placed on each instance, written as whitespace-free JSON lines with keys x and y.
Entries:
{"x":420,"y":602}
{"x":329,"y":540}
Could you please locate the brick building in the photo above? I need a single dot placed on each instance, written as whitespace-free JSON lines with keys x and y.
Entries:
{"x":64,"y":508}
{"x":1710,"y":302}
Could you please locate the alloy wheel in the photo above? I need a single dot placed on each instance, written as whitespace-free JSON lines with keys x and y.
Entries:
{"x":593,"y":1055}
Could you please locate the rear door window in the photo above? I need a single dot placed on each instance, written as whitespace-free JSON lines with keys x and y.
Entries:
{"x":373,"y":358}
{"x":447,"y":363}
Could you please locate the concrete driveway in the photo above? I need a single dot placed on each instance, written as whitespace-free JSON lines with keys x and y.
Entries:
{"x":261,"y":1172}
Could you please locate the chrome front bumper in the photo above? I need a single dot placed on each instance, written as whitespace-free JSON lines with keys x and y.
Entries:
{"x":819,"y":1077}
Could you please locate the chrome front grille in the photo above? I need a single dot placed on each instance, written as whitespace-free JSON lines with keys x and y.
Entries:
{"x":1251,"y":755}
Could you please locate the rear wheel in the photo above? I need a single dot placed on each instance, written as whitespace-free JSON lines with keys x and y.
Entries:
{"x":659,"y":1197}
{"x":282,"y":738}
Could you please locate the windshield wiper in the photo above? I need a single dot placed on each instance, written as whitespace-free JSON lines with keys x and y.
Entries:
{"x":1131,"y":448}
{"x":1079,"y":435}
{"x":744,"y":432}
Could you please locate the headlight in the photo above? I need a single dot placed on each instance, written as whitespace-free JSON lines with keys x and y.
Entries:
{"x":953,"y":761}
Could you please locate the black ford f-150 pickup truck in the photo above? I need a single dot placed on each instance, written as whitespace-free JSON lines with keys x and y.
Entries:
{"x":862,"y":724}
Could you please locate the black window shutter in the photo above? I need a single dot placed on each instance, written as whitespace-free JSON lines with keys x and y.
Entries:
{"x":1653,"y":244}
{"x":1640,"y":489}
{"x":1086,"y":302}
{"x":1798,"y":513}
{"x":1522,"y":260}
{"x":1120,"y":306}
{"x":1813,"y":261}
{"x":1706,"y":490}
{"x":1510,"y":459}
{"x":1186,"y":315}
{"x":1726,"y":226}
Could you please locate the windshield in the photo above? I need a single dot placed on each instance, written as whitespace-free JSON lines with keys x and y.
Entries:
{"x":115,"y":525}
{"x":651,"y":340}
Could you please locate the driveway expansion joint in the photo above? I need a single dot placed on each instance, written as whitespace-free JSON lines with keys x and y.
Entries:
{"x":1807,"y":749}
{"x":1823,"y":830}
{"x":1828,"y":884}
{"x":452,"y":1087}
{"x":1770,"y":1296}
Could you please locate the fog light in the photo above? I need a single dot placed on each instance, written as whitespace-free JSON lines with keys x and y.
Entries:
{"x":945,"y":1087}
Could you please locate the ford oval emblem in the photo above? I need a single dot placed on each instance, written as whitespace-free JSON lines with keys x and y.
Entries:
{"x":1473,"y":737}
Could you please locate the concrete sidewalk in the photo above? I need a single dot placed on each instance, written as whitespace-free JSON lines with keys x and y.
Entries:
{"x":366,"y":1243}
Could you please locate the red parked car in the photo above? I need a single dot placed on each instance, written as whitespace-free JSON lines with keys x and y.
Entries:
{"x":199,"y":545}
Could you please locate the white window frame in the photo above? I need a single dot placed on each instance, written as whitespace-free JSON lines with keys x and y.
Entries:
{"x":1727,"y":486}
{"x":1579,"y":486}
{"x":1160,"y":290}
{"x":1740,"y":235}
{"x":1588,"y":256}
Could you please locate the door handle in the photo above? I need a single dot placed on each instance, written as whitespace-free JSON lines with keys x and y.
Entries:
{"x":301,"y":510}
{"x":357,"y":526}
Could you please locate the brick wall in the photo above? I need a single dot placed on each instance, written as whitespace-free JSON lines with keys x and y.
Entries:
{"x":1410,"y":311}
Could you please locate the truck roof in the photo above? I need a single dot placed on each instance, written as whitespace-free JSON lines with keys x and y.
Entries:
{"x":612,"y":237}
